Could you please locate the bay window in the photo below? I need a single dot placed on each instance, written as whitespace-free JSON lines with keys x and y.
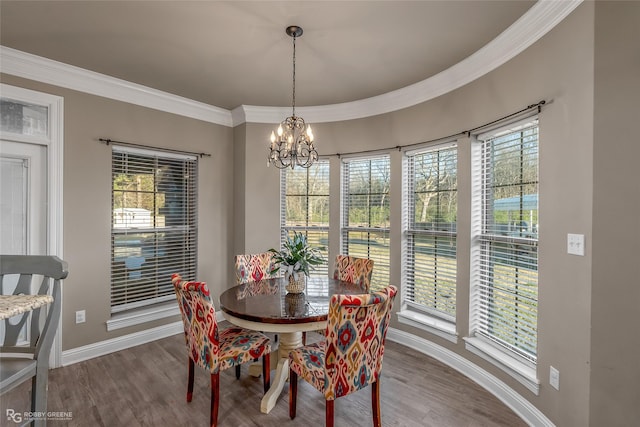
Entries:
{"x":504,"y":294}
{"x":365,"y":213}
{"x":305,"y":207}
{"x":430,"y":261}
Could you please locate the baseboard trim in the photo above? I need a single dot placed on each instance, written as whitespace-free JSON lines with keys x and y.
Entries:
{"x":86,"y":352}
{"x":521,"y":406}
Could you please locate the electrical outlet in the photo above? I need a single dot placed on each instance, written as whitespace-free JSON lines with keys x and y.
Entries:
{"x":80,"y":316}
{"x":575,"y":244}
{"x":554,"y":378}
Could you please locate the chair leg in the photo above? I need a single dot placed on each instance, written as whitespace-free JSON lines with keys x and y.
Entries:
{"x":375,"y":403}
{"x":39,"y":394}
{"x":329,"y":413}
{"x":266,"y":371}
{"x":215,"y":397}
{"x":293,"y":393}
{"x":190,"y":380}
{"x":237,"y":372}
{"x":304,"y":338}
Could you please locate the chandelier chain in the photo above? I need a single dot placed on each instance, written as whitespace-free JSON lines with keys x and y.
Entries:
{"x":294,"y":77}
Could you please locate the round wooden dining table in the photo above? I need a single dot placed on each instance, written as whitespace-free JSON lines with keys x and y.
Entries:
{"x":266,"y":306}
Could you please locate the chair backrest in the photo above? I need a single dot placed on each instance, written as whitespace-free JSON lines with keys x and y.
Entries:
{"x":199,"y":319}
{"x":356,"y":330}
{"x":32,"y":275}
{"x":254,"y":267}
{"x":354,"y":270}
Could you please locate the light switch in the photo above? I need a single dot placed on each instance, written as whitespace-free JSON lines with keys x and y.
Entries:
{"x":554,"y":378}
{"x":575,"y":244}
{"x":80,"y":316}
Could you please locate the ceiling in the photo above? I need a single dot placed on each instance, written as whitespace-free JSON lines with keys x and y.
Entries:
{"x":232,"y":53}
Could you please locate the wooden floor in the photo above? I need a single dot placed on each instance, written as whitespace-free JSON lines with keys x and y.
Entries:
{"x":146,"y":386}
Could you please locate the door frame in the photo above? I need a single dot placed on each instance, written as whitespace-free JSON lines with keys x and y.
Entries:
{"x":54,"y":141}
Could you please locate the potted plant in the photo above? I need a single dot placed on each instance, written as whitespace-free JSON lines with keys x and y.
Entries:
{"x":295,"y":259}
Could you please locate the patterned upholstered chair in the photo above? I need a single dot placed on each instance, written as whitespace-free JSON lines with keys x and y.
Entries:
{"x":354,"y":270}
{"x":253,"y":267}
{"x":211,"y":349}
{"x":350,"y":358}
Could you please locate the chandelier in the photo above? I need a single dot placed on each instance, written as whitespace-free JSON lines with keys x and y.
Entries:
{"x":292,"y":143}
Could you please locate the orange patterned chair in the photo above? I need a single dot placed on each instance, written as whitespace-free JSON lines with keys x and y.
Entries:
{"x":350,"y":358}
{"x":354,"y":270}
{"x":211,"y":349}
{"x":254,"y":267}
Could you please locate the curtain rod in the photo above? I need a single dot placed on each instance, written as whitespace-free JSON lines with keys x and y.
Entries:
{"x":529,"y":107}
{"x":397,"y":147}
{"x":167,"y":150}
{"x":442,"y":139}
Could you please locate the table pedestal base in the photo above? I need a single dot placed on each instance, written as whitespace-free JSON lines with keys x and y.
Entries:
{"x":288,"y":341}
{"x":255,"y":370}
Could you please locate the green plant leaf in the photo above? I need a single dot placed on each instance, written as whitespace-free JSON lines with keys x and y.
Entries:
{"x":296,"y":255}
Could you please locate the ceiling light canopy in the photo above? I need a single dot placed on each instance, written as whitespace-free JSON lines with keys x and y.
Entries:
{"x":292,"y":143}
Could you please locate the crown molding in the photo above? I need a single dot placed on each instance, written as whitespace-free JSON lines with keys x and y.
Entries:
{"x":56,"y":73}
{"x":535,"y":23}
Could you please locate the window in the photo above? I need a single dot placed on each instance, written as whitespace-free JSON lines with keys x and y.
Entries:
{"x":22,"y":118}
{"x":430,"y":256}
{"x":154,"y":225}
{"x":365,"y":216}
{"x":504,"y":297}
{"x":305,"y":198}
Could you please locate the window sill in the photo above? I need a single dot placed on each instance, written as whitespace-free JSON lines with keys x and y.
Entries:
{"x":519,"y":370}
{"x":439,"y":327}
{"x":142,"y":315}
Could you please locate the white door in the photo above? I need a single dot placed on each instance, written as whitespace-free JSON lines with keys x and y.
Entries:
{"x":23,"y":198}
{"x":23,"y":214}
{"x":31,"y":150}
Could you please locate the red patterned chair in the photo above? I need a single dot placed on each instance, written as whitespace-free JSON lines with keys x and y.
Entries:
{"x":354,"y":270}
{"x":254,"y":267}
{"x":350,"y":358}
{"x":211,"y":349}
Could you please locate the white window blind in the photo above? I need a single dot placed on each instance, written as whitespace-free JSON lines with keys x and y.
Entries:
{"x":430,"y":256}
{"x":154,"y":225}
{"x":504,"y":305}
{"x":305,"y":207}
{"x":365,"y":215}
